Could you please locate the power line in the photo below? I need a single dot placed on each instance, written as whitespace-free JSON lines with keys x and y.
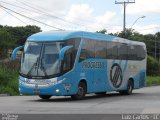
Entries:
{"x":30,"y":18}
{"x":62,"y":19}
{"x":39,"y":12}
{"x":50,"y":15}
{"x":36,"y":11}
{"x":23,"y":8}
{"x":28,"y":5}
{"x":16,"y":6}
{"x":14,"y":16}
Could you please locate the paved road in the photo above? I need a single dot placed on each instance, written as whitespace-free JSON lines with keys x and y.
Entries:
{"x":145,"y":100}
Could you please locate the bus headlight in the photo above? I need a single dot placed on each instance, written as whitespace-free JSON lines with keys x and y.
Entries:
{"x":57,"y":90}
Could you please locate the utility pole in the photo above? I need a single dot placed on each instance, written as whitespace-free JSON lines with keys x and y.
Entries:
{"x":124,"y":17}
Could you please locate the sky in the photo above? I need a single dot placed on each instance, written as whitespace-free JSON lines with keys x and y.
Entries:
{"x":86,"y":15}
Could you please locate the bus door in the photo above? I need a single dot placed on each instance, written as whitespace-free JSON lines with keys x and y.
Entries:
{"x":100,"y":66}
{"x":85,"y":63}
{"x":100,"y":75}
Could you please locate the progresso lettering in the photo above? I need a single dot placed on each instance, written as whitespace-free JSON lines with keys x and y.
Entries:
{"x":93,"y":65}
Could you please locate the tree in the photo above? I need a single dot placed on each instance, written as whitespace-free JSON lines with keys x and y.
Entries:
{"x":11,"y":37}
{"x":128,"y":33}
{"x":20,"y":34}
{"x":103,"y":31}
{"x":6,"y":42}
{"x":157,"y":38}
{"x":153,"y":66}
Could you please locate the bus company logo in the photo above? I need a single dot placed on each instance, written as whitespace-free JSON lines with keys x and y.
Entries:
{"x":116,"y":75}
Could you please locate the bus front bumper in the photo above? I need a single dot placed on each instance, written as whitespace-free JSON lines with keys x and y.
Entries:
{"x":55,"y":89}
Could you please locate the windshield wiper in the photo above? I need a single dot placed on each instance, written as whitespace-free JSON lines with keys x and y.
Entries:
{"x":44,"y":70}
{"x":29,"y":72}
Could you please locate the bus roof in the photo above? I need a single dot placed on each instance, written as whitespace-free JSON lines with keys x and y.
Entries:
{"x":63,"y":35}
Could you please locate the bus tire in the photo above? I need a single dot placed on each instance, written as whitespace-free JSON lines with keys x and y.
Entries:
{"x":129,"y":90}
{"x":82,"y":89}
{"x":45,"y":97}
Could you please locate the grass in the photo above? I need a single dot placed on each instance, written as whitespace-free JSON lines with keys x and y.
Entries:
{"x":8,"y":80}
{"x":152,"y":80}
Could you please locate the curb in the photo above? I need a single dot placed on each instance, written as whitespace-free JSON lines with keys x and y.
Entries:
{"x":3,"y":95}
{"x":153,"y":85}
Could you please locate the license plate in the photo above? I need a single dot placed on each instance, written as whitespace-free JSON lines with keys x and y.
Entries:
{"x":36,"y":91}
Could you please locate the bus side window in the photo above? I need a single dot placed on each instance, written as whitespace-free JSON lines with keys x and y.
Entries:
{"x":100,"y":49}
{"x":68,"y":61}
{"x":122,"y":51}
{"x":83,"y":55}
{"x":112,"y":50}
{"x":87,"y":50}
{"x":131,"y":53}
{"x":140,"y":50}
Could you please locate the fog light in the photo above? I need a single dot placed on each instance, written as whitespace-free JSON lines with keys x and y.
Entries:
{"x":57,"y":90}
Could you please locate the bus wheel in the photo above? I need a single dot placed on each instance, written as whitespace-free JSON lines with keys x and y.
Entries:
{"x":82,"y":89}
{"x":129,"y":89}
{"x":46,"y":97}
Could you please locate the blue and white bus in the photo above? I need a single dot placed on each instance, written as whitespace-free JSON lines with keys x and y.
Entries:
{"x":75,"y":63}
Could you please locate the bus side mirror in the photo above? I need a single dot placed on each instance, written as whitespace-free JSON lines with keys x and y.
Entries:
{"x":14,"y":53}
{"x":63,"y":51}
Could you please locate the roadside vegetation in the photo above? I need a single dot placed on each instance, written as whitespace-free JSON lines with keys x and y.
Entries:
{"x":152,"y":80}
{"x":11,"y":37}
{"x":9,"y":78}
{"x":153,"y":72}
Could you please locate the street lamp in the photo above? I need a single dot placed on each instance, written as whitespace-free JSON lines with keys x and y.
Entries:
{"x":137,"y":20}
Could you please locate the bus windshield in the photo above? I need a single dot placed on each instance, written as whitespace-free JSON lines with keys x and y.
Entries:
{"x":41,"y":59}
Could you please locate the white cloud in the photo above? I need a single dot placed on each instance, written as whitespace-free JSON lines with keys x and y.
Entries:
{"x":106,"y":18}
{"x":83,"y":14}
{"x":144,"y":6}
{"x":115,"y":29}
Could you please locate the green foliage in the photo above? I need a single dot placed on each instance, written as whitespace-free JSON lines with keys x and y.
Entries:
{"x":103,"y":31}
{"x":152,"y":80}
{"x":8,"y":79}
{"x":153,"y":66}
{"x":20,"y":34}
{"x":10,"y":37}
{"x":6,"y":42}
